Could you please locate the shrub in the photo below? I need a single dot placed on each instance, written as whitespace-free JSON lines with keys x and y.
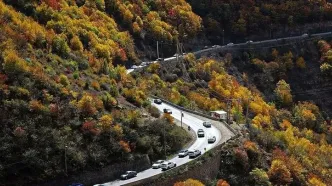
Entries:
{"x":279,"y":173}
{"x":76,"y":44}
{"x":171,"y":78}
{"x":95,"y":85}
{"x":154,"y":111}
{"x":60,"y":46}
{"x":300,"y":63}
{"x":189,"y":182}
{"x":89,"y":105}
{"x":76,"y":75}
{"x":105,"y":122}
{"x":125,"y":146}
{"x":260,"y":177}
{"x":37,"y":106}
{"x":222,"y":182}
{"x":64,"y":80}
{"x":13,"y":64}
{"x":153,"y":68}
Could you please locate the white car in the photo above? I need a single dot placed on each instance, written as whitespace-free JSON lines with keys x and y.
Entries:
{"x":305,"y":35}
{"x":167,"y":165}
{"x":215,"y":46}
{"x":134,"y":67}
{"x":230,"y":44}
{"x":200,"y":133}
{"x":157,"y":164}
{"x":183,"y":153}
{"x":248,"y":42}
{"x":194,"y":153}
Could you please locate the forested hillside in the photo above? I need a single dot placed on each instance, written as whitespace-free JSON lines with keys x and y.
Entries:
{"x":240,"y":18}
{"x":61,"y":84}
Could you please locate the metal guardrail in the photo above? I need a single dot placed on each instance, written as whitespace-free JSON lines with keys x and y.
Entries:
{"x":195,"y":112}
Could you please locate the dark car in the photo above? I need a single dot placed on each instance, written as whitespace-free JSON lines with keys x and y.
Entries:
{"x":128,"y":174}
{"x":207,"y":124}
{"x":76,"y":184}
{"x":212,"y":139}
{"x":168,"y":111}
{"x":157,"y":101}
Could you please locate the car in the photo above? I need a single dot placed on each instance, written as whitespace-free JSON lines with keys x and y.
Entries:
{"x":215,"y":46}
{"x":177,"y":55}
{"x":207,"y":124}
{"x":160,"y":59}
{"x":134,"y":66}
{"x":212,"y":139}
{"x":128,"y":174}
{"x":200,"y":133}
{"x":183,"y":153}
{"x":76,"y":184}
{"x":157,"y":101}
{"x":168,"y":111}
{"x":143,"y":64}
{"x":194,"y":153}
{"x":230,"y":44}
{"x":305,"y":35}
{"x":206,"y":47}
{"x":248,"y":42}
{"x":167,"y":165}
{"x":157,"y":164}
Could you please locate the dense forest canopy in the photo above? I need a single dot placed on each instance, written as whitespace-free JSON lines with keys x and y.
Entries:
{"x":64,"y":87}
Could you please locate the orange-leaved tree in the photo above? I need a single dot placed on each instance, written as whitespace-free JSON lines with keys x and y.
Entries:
{"x":189,"y":182}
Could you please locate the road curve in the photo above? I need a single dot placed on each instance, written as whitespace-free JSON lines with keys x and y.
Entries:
{"x":195,"y":123}
{"x":276,"y":40}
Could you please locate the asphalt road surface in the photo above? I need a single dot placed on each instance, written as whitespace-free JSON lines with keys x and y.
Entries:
{"x":195,"y":123}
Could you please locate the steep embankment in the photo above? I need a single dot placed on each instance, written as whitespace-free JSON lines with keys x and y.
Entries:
{"x":62,"y":86}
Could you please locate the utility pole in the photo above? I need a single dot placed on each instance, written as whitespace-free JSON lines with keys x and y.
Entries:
{"x":157,"y":49}
{"x":229,"y":104}
{"x":66,"y":158}
{"x":181,"y":119}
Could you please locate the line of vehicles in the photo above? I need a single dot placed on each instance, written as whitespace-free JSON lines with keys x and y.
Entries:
{"x":166,"y":165}
{"x":143,"y":64}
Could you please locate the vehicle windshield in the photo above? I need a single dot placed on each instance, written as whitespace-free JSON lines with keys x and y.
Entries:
{"x":182,"y":151}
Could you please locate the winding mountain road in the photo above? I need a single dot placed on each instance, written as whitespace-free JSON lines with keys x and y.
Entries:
{"x":195,"y":122}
